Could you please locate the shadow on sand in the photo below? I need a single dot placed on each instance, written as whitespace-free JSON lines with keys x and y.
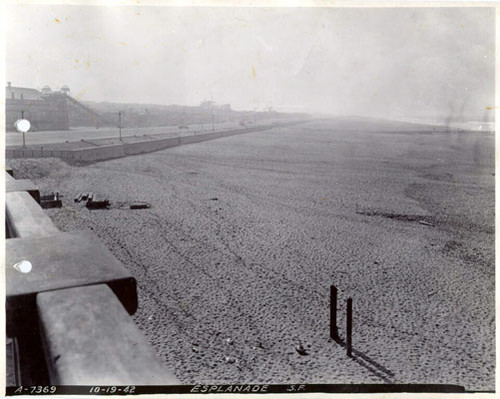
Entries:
{"x":371,"y":365}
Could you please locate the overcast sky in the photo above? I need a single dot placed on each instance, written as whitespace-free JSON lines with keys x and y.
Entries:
{"x":394,"y":63}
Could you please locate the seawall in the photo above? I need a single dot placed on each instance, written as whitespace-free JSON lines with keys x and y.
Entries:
{"x":93,"y":152}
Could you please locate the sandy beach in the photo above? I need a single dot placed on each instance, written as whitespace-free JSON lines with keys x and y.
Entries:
{"x":235,"y":258}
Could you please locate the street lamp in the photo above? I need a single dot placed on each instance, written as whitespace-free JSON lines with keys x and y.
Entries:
{"x":23,"y":125}
{"x":24,"y":140}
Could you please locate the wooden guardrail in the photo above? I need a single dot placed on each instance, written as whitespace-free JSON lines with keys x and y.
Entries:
{"x":69,"y":315}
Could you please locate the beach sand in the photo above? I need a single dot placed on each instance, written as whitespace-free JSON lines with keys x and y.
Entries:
{"x":235,"y":258}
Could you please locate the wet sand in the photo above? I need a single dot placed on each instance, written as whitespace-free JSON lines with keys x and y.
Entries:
{"x":246,"y":234}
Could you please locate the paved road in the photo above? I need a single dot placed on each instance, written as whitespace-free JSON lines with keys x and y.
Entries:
{"x":76,"y":134}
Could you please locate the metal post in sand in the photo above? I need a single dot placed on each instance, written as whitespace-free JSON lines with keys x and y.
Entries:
{"x":334,"y":333}
{"x":349,"y":328}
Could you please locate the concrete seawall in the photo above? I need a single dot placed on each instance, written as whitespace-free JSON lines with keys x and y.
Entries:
{"x":150,"y":146}
{"x":97,"y":152}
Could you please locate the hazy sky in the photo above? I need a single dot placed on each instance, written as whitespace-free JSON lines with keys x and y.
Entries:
{"x":394,"y":63}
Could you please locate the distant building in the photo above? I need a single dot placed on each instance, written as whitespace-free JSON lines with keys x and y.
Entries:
{"x":21,"y":93}
{"x":207,"y":104}
{"x":46,"y":90}
{"x":45,"y":109}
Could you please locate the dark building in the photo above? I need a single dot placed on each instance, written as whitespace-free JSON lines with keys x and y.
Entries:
{"x":46,"y":110}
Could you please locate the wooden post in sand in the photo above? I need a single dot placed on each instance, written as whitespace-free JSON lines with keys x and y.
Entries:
{"x":349,"y":328}
{"x":334,"y":333}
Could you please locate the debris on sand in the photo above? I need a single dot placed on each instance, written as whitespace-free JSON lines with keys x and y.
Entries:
{"x":214,"y":199}
{"x":425,"y":223}
{"x":84,"y":197}
{"x":140,"y":205}
{"x":97,"y":203}
{"x":229,"y":341}
{"x":51,"y":200}
{"x":258,"y":346}
{"x":229,"y":359}
{"x":301,"y":350}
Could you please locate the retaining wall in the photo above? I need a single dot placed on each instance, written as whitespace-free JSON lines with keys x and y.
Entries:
{"x":198,"y":138}
{"x":101,"y":153}
{"x":150,"y":145}
{"x":97,"y":153}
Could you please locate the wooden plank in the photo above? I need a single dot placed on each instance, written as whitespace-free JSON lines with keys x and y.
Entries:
{"x":89,"y":339}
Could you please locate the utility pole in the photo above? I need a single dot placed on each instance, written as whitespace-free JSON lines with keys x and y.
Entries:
{"x":212,"y":105}
{"x":120,"y":123}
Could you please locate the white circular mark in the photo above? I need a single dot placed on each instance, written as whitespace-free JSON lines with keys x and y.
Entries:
{"x":23,"y":266}
{"x":23,"y":125}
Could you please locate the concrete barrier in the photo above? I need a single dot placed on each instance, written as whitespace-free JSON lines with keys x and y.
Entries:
{"x":25,"y":218}
{"x":142,"y":147}
{"x":68,"y":315}
{"x":230,"y":133}
{"x":96,"y":153}
{"x":89,"y":339}
{"x":61,"y":260}
{"x":169,"y":142}
{"x":198,"y":138}
{"x":23,"y":185}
